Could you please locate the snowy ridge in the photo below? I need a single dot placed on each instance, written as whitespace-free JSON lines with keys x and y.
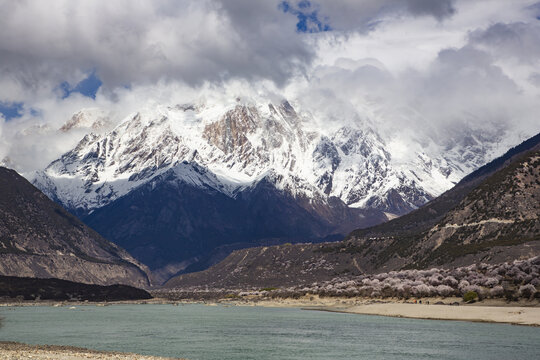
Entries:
{"x":91,"y":118}
{"x":231,"y":146}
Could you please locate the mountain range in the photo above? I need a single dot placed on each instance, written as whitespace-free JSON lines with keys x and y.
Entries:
{"x":182,"y":186}
{"x":491,"y":216}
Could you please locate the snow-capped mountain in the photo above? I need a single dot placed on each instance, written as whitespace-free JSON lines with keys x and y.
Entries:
{"x":241,"y":143}
{"x":186,"y":184}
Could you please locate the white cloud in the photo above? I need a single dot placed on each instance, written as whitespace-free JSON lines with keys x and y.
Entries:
{"x":433,"y":64}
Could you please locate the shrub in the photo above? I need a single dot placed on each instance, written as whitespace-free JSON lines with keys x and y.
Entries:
{"x":491,"y":282}
{"x":404,"y":290}
{"x":268,"y":289}
{"x":421,"y":290}
{"x":381,"y":276}
{"x":474,"y":288}
{"x":444,"y":290}
{"x":450,"y":281}
{"x":470,"y":296}
{"x":527,"y":291}
{"x":497,"y":291}
{"x":463,"y":284}
{"x":435,"y":279}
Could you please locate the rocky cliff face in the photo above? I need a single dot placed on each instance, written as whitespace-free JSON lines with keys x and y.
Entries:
{"x":492,"y":216}
{"x":38,"y":238}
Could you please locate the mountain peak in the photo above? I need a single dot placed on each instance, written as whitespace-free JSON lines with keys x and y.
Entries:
{"x":241,"y":141}
{"x":95,"y":119}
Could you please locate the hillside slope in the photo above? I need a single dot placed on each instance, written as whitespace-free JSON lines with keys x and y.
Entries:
{"x":422,"y":219}
{"x":504,"y":210}
{"x":38,"y":238}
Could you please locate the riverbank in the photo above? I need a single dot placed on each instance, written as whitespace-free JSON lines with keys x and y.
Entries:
{"x":12,"y":303}
{"x":522,"y":312}
{"x":515,"y":315}
{"x":18,"y":351}
{"x":494,"y":310}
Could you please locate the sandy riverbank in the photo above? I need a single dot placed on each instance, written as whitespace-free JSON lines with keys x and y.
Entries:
{"x":496,"y":311}
{"x":507,"y":314}
{"x":18,"y":351}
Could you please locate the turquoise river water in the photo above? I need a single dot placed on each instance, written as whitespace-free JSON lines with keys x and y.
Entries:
{"x":218,"y":332}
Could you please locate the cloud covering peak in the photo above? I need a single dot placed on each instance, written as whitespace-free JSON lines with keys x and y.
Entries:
{"x":452,"y":61}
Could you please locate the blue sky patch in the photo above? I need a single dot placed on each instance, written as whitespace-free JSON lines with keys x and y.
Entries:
{"x":11,"y":110}
{"x":87,"y":87}
{"x":309,"y":20}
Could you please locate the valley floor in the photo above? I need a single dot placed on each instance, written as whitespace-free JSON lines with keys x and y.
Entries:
{"x":18,"y":351}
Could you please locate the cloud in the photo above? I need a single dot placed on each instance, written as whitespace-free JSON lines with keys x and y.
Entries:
{"x":43,"y":44}
{"x":432,"y":65}
{"x":534,"y":79}
{"x":513,"y":40}
{"x":365,"y":15}
{"x":440,"y":83}
{"x":441,"y":9}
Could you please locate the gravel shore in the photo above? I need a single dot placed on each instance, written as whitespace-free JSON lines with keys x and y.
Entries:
{"x":18,"y":351}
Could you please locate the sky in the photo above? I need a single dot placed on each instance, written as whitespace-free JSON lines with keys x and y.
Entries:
{"x":437,"y":64}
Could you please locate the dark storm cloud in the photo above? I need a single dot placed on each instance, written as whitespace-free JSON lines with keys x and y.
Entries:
{"x":125,"y":42}
{"x":45,"y":43}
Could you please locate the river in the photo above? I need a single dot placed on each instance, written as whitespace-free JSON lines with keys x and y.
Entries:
{"x":218,"y":332}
